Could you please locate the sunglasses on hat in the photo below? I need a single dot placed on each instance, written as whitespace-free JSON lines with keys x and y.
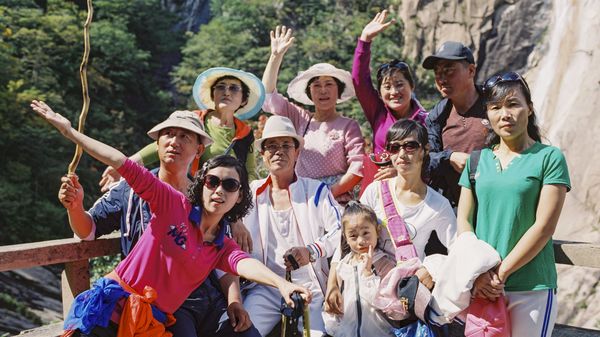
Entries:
{"x":228,"y":184}
{"x":393,"y":64}
{"x":510,"y":76}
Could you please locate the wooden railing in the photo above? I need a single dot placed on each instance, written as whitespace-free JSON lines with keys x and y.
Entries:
{"x":75,"y":254}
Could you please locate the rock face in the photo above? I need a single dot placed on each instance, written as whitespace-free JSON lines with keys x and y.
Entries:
{"x":556,"y":44}
{"x":193,"y":13}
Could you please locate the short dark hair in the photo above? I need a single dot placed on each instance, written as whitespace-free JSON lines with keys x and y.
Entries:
{"x":403,"y":128}
{"x":341,"y":86}
{"x":239,"y":210}
{"x":388,"y":69}
{"x":497,"y":93}
{"x":245,"y":88}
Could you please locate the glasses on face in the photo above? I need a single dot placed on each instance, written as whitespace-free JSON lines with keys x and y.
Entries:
{"x":233,"y":88}
{"x":285,"y":147}
{"x":510,"y":76}
{"x":408,"y":147}
{"x":228,"y":184}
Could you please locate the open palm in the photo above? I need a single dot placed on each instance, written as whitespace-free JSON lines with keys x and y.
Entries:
{"x":376,"y":26}
{"x":281,"y":40}
{"x":59,"y":122}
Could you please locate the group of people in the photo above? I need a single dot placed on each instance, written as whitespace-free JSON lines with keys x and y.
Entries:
{"x":189,"y":229}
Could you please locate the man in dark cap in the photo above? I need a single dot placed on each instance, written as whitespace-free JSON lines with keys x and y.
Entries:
{"x":458,"y":123}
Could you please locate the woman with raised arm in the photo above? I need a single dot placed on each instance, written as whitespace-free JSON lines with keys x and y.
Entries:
{"x":333,"y":147}
{"x":520,"y":187}
{"x":183,"y":243}
{"x":390,"y":101}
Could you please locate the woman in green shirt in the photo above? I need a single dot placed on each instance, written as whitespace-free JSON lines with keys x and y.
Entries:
{"x":520,"y":187}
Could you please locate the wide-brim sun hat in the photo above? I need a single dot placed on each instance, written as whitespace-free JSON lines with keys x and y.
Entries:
{"x":278,"y":126}
{"x":183,"y":119}
{"x":201,"y":91}
{"x":297,"y":87}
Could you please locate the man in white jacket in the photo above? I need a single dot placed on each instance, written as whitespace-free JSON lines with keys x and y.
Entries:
{"x":291,"y":216}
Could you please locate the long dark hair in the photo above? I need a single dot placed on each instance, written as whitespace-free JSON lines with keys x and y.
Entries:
{"x":403,"y":128}
{"x":240,"y":209}
{"x":497,"y":93}
{"x":356,"y":208}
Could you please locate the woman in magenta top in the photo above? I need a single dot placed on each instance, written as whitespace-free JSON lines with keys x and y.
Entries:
{"x":184,"y":241}
{"x":392,"y":100}
{"x":333,"y":144}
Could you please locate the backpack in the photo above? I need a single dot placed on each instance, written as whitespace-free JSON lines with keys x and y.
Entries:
{"x":473,"y":162}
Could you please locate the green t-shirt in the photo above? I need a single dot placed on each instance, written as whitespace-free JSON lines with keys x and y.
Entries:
{"x":222,"y":137}
{"x":507,"y":203}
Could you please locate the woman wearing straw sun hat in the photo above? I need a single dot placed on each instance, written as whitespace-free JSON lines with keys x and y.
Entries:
{"x":225,"y":97}
{"x":333,"y":147}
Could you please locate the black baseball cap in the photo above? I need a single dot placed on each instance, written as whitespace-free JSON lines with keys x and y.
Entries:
{"x":449,"y":50}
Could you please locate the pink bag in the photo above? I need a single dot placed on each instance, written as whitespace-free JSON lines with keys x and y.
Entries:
{"x":487,"y":319}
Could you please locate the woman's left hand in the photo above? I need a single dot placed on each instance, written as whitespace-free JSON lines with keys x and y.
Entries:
{"x":281,"y":40}
{"x":385,"y":173}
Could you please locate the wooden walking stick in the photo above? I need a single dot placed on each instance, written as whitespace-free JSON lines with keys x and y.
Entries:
{"x":84,"y":83}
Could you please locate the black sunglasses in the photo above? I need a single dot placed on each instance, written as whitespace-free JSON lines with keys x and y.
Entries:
{"x":408,"y":147}
{"x":510,"y":76}
{"x":229,"y":184}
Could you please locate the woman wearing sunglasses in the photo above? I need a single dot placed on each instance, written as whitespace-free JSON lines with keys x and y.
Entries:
{"x":392,"y":100}
{"x":333,"y":147}
{"x":520,"y":187}
{"x":184,"y":242}
{"x":422,"y":209}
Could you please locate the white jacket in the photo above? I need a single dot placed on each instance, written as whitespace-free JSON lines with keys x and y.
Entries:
{"x":360,"y":317}
{"x":318,"y":216}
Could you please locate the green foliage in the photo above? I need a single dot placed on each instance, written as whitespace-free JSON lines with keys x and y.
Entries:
{"x":10,"y":303}
{"x":40,"y":53}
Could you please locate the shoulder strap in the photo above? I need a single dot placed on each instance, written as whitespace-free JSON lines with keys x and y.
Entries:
{"x":396,"y":226}
{"x":307,"y":125}
{"x":473,"y":162}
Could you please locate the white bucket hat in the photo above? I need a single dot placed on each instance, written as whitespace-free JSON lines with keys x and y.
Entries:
{"x":278,"y":126}
{"x":184,"y":119}
{"x":201,"y":91}
{"x":297,"y":87}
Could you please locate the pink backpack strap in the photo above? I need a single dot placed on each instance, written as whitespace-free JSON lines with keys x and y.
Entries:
{"x":396,"y":226}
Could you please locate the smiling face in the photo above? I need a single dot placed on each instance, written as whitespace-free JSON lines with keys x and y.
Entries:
{"x":227,"y":95}
{"x":396,"y":93}
{"x":179,"y":147}
{"x":280,"y":155}
{"x":324,"y":92}
{"x":453,"y":78}
{"x":360,"y":233}
{"x":216,"y":199}
{"x":509,"y":117}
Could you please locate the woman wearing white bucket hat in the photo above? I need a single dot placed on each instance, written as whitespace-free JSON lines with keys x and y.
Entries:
{"x":333,"y":147}
{"x":225,"y":96}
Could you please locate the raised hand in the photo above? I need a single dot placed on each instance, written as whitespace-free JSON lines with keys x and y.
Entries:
{"x":368,"y":258}
{"x":376,"y":26}
{"x":59,"y":122}
{"x":281,"y":40}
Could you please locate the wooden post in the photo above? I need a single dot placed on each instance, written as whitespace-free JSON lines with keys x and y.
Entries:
{"x":75,"y":280}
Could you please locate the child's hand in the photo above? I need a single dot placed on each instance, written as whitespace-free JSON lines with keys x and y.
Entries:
{"x":334,"y":302}
{"x":425,"y":278}
{"x":368,"y":258}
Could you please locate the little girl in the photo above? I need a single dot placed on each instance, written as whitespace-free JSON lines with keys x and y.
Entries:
{"x":357,"y":277}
